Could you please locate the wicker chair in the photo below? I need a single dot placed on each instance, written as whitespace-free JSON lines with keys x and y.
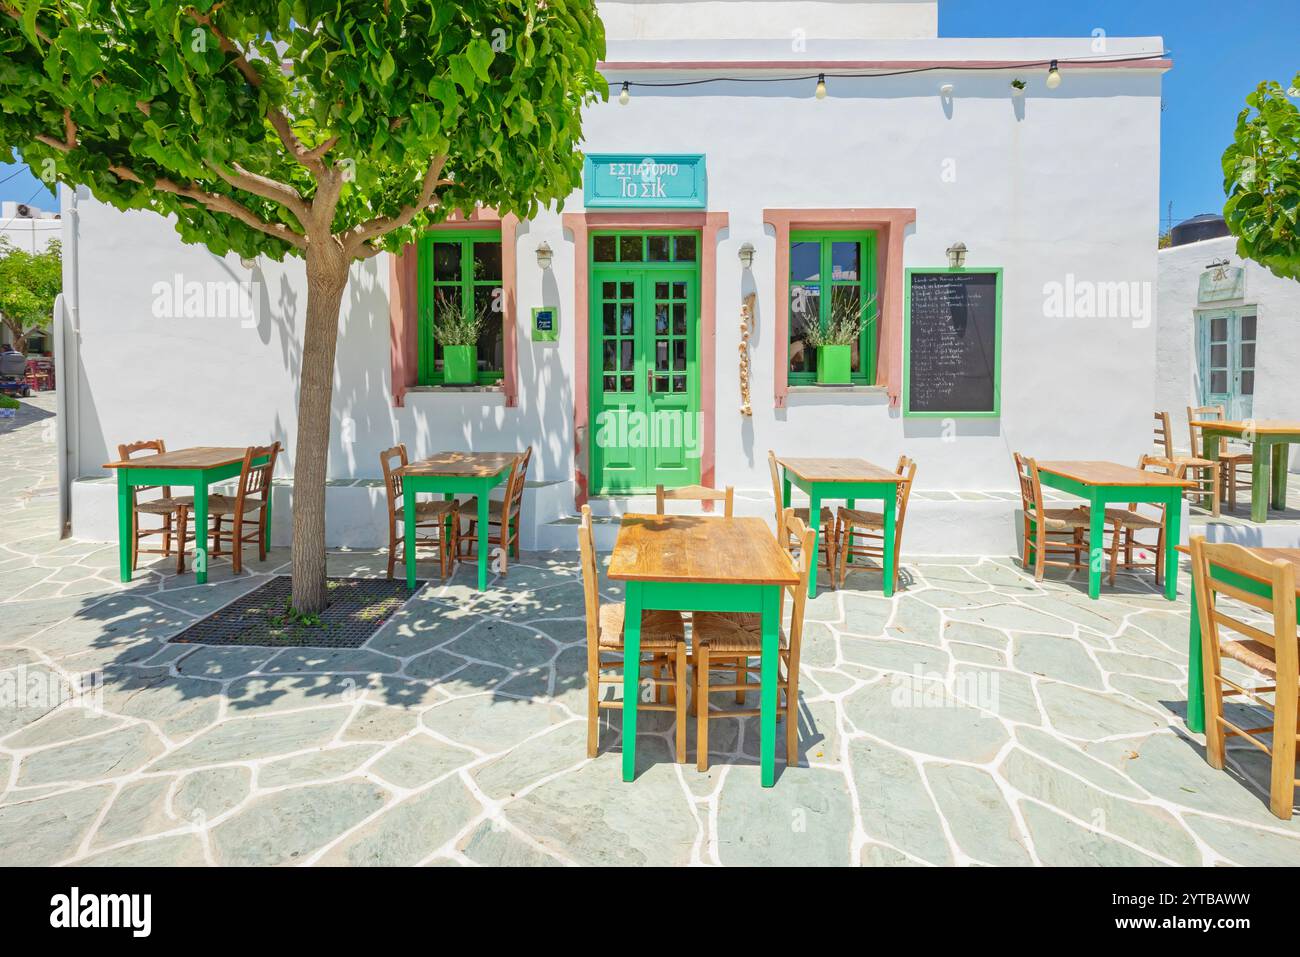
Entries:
{"x":695,"y":493}
{"x":167,"y":506}
{"x":826,"y":518}
{"x":246,"y":509}
{"x":1235,"y":466}
{"x":1202,"y":471}
{"x":504,"y":534}
{"x":1048,"y":530}
{"x":438,"y":519}
{"x":1130,"y":522}
{"x":870,"y":526}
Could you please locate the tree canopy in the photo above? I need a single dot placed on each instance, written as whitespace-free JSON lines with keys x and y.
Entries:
{"x":29,"y":284}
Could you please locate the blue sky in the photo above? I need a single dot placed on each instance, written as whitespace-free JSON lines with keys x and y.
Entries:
{"x":1220,"y":51}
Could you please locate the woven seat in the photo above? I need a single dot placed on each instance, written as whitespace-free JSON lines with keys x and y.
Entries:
{"x":225,"y":504}
{"x":1252,"y":654}
{"x":860,"y":516}
{"x":1062,"y":519}
{"x":434,"y":509}
{"x":165,"y":506}
{"x":1131,"y":519}
{"x":827,"y":515}
{"x":732,"y":632}
{"x":660,"y":630}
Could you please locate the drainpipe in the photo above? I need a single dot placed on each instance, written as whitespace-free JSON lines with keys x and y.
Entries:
{"x":67,"y":360}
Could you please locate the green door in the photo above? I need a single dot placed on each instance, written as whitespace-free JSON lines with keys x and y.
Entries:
{"x":1226,"y":360}
{"x":645,"y":420}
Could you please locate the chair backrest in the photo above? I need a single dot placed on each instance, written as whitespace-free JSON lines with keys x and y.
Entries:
{"x":255,"y":480}
{"x":906,"y":468}
{"x":1031,"y":490}
{"x":590,"y":578}
{"x":518,"y":480}
{"x":1203,"y":413}
{"x":776,"y":488}
{"x":152,"y":447}
{"x":798,"y":531}
{"x":1164,"y":438}
{"x":1280,"y":575}
{"x":1153,"y":463}
{"x":695,"y":493}
{"x":391,"y":460}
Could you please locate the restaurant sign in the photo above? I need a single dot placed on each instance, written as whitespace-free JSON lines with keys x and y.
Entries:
{"x":644,"y":181}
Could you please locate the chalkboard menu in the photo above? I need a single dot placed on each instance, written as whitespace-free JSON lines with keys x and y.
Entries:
{"x":951,"y":365}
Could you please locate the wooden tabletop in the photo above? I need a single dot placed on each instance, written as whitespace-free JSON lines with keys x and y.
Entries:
{"x":693,"y":548}
{"x":1258,"y":426}
{"x":1291,"y":555}
{"x":202,"y":457}
{"x":462,"y":464}
{"x":838,"y":470}
{"x":1111,"y":473}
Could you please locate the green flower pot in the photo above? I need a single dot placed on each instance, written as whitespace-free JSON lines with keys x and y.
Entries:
{"x":834,"y":364}
{"x":460,"y":365}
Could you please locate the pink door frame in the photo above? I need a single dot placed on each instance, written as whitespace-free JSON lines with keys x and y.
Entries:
{"x":404,"y":306}
{"x":890,"y":224}
{"x":581,"y":225}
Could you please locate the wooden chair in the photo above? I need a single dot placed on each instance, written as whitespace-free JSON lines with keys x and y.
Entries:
{"x":870,"y":526}
{"x":1129,"y":521}
{"x":1047,"y":530}
{"x":250,"y":499}
{"x":167,"y":506}
{"x":1202,"y":471}
{"x":663,"y":638}
{"x":504,"y":534}
{"x":826,"y":518}
{"x":695,"y":493}
{"x":1235,"y":466}
{"x":1271,"y":654}
{"x":729,"y":640}
{"x":440,"y":518}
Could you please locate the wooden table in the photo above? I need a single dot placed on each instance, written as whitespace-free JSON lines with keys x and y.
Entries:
{"x":1109,"y":483}
{"x":848,"y":479}
{"x":198,"y":468}
{"x":1195,"y":663}
{"x":1266,"y":437}
{"x":701,"y":563}
{"x":453,"y":473}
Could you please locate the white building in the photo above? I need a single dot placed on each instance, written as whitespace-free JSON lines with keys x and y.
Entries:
{"x":920,"y":143}
{"x":27,"y":227}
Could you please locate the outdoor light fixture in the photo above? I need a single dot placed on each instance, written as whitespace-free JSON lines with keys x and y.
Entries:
{"x":957,"y":255}
{"x":1053,"y":76}
{"x":946,"y":90}
{"x":747,"y":255}
{"x":624,"y":95}
{"x":544,"y":255}
{"x":247,"y":263}
{"x":821,"y":86}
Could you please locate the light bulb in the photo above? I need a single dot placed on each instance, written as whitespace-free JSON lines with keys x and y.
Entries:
{"x":821,"y":86}
{"x":1053,"y":76}
{"x":624,"y":95}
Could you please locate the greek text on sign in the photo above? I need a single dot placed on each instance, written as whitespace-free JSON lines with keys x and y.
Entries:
{"x":663,"y":181}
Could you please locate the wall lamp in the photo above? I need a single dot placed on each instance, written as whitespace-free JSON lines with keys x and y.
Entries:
{"x":746,"y":255}
{"x":957,"y":255}
{"x":544,"y":255}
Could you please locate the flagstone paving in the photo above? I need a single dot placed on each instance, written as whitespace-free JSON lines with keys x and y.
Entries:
{"x":977,"y":717}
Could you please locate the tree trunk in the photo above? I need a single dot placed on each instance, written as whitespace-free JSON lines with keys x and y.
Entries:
{"x":327,"y":275}
{"x":14,"y":336}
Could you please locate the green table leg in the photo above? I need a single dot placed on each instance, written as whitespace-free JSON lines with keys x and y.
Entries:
{"x":1096,"y":542}
{"x":1281,"y":454}
{"x":1173,"y":532}
{"x":269,"y":496}
{"x":408,"y":535}
{"x":1195,"y":671}
{"x":814,"y":519}
{"x":785,"y":490}
{"x":887,"y":510}
{"x":1258,"y":481}
{"x":632,"y":676}
{"x":482,"y":539}
{"x":201,"y":533}
{"x":852,"y":503}
{"x":1211,"y":447}
{"x":769,"y":669}
{"x":124,"y":531}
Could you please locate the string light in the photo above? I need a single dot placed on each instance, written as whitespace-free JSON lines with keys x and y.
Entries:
{"x":624,"y":95}
{"x":1053,"y":76}
{"x":821,"y":86}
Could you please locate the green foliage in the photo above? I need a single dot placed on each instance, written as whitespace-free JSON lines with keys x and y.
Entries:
{"x":9,"y":402}
{"x":29,"y":284}
{"x":454,"y":326}
{"x":1261,"y":178}
{"x":190,"y":109}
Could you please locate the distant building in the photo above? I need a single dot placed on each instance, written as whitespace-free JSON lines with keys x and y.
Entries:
{"x":28,"y":227}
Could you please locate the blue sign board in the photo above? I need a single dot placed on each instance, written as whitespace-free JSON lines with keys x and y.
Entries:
{"x":645,"y":181}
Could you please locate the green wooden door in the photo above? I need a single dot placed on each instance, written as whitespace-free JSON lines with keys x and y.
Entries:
{"x":1226,"y":360}
{"x":645,"y":421}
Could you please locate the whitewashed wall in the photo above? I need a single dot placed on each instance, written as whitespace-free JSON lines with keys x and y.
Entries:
{"x":769,"y":19}
{"x":30,"y":233}
{"x":1277,"y":353}
{"x":1057,"y":184}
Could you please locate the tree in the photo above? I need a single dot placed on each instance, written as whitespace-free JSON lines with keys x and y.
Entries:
{"x":330,"y":131}
{"x":29,"y":284}
{"x":1261,"y":177}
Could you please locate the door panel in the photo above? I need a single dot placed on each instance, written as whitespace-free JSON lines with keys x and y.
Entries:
{"x":1226,"y":360}
{"x":618,"y":392}
{"x":674,"y":456}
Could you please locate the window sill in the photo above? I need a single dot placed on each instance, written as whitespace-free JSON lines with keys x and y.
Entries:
{"x":486,"y":394}
{"x":823,"y":394}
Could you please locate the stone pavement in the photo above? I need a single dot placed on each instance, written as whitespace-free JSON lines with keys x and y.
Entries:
{"x":977,"y":717}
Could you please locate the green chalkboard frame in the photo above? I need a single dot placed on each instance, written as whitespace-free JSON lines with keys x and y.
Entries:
{"x":907,"y":342}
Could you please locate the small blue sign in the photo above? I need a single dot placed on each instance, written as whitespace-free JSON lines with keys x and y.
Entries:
{"x":645,"y":181}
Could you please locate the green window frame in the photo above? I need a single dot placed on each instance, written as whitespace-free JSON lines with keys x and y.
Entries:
{"x":815,"y":283}
{"x":464,"y":265}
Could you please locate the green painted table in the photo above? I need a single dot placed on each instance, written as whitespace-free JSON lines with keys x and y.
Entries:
{"x":451,"y":474}
{"x":1269,"y":439}
{"x":1109,"y":483}
{"x":1195,"y":662}
{"x":850,"y":480}
{"x":197,"y":468}
{"x":701,"y":563}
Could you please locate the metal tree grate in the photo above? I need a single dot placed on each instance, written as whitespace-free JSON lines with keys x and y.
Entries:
{"x":355,"y":609}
